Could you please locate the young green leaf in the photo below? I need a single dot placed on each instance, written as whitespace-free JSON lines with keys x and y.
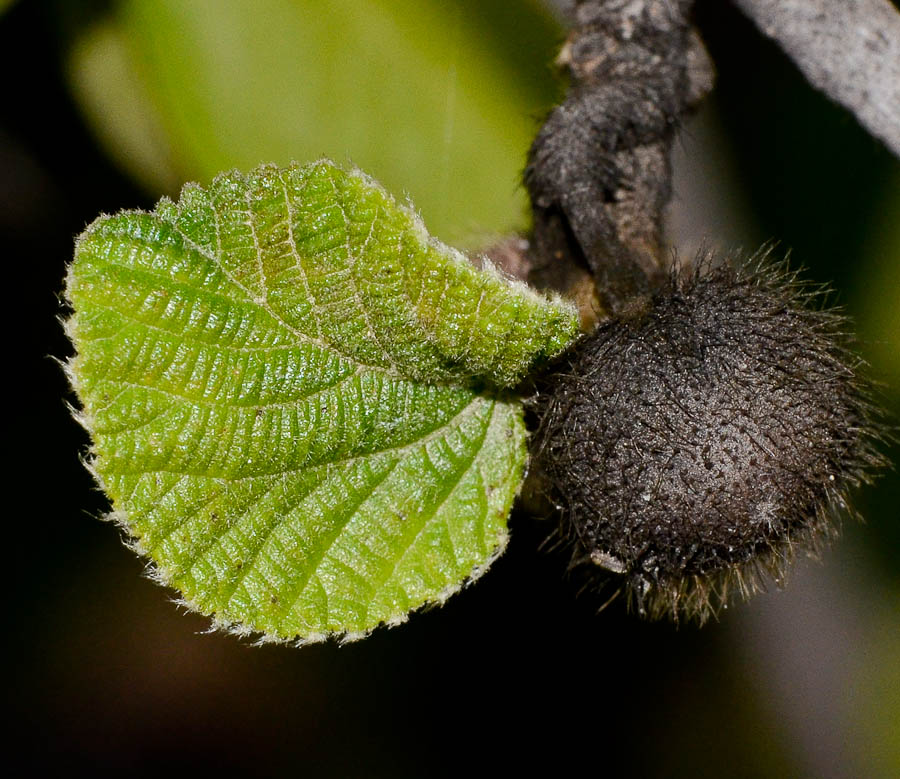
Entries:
{"x":295,"y":398}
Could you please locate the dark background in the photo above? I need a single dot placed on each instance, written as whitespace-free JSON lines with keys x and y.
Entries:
{"x":516,"y":672}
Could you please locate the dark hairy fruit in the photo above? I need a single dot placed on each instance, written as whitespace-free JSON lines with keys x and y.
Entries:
{"x":695,"y":442}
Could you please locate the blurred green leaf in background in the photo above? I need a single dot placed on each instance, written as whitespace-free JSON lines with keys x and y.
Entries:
{"x":181,"y":91}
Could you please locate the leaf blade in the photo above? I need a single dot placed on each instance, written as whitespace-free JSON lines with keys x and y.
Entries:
{"x":286,"y":470}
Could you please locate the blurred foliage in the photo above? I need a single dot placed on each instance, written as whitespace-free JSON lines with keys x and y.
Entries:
{"x":876,"y":700}
{"x":181,"y":91}
{"x":877,"y":291}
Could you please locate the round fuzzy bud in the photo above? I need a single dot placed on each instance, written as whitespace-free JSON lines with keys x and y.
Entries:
{"x":694,"y":442}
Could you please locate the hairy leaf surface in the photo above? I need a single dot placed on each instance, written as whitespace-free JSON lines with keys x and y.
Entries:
{"x":296,"y":397}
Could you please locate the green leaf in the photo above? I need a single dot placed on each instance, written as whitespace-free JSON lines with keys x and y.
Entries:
{"x":295,"y":398}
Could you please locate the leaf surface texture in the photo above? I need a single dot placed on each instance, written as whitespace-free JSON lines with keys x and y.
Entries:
{"x":296,"y":398}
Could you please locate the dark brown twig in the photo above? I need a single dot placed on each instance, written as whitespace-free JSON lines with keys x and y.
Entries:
{"x":598,"y":171}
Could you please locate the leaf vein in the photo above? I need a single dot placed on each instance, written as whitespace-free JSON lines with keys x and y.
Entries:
{"x":460,"y":474}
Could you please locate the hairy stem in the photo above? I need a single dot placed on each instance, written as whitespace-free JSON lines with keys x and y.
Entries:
{"x":598,"y":171}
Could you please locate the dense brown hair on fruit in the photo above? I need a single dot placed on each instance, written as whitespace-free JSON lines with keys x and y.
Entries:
{"x":694,"y":443}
